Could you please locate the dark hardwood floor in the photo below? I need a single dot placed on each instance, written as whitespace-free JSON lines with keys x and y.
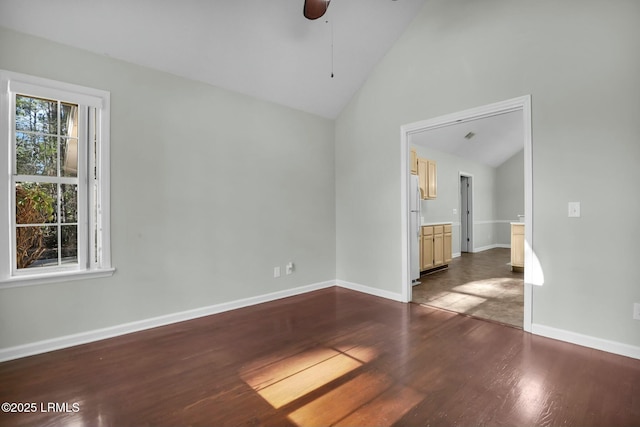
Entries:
{"x":478,"y":284}
{"x":330,"y":357}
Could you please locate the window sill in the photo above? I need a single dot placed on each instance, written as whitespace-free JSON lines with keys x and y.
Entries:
{"x":65,"y":276}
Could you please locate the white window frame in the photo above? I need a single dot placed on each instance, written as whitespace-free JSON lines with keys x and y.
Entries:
{"x":94,"y":249}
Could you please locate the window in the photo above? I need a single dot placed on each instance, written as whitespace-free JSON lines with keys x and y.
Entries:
{"x":55,"y":162}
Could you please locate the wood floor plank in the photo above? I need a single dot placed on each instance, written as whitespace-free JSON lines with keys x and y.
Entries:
{"x":331,"y":357}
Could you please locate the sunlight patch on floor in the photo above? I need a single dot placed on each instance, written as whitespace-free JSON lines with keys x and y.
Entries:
{"x":372,"y":399}
{"x":286,"y":380}
{"x":489,"y":288}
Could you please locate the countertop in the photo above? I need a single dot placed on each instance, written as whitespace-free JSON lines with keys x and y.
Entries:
{"x":426,"y":224}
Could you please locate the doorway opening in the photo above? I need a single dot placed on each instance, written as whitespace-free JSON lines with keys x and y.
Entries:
{"x":480,"y":231}
{"x":466,"y":212}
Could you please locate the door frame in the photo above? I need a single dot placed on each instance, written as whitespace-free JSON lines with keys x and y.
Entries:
{"x":522,"y":104}
{"x":470,"y":208}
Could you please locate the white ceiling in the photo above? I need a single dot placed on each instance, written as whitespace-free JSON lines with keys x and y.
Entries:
{"x":497,"y":138}
{"x":263,"y":48}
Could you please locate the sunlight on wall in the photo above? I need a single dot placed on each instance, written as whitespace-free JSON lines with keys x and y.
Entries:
{"x":532,"y":273}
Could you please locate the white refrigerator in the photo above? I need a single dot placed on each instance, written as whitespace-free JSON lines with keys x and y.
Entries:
{"x":414,"y":229}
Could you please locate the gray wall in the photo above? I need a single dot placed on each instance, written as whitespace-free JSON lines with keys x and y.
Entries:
{"x":579,"y":61}
{"x":509,"y":194}
{"x":210,"y":191}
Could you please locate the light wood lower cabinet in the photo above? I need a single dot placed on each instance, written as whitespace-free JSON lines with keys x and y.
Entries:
{"x":517,"y":246}
{"x":448,"y":255}
{"x":435,"y":248}
{"x":427,"y":248}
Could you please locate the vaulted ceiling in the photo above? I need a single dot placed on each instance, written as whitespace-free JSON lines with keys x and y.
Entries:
{"x":262,"y":48}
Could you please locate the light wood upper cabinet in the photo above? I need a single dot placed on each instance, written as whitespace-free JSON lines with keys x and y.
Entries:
{"x":432,"y":180}
{"x":428,"y":178}
{"x":413,"y":162}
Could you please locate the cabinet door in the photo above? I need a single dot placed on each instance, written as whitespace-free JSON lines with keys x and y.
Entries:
{"x":517,"y":245}
{"x":427,"y":248}
{"x":438,"y":245}
{"x":447,"y":244}
{"x":413,"y":162}
{"x":432,"y":180}
{"x":422,"y":176}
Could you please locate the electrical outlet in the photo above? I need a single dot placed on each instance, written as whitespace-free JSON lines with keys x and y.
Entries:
{"x":574,"y":209}
{"x":276,"y":272}
{"x":636,"y":311}
{"x":289,"y":268}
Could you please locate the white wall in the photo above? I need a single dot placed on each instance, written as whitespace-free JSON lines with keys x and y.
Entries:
{"x":579,"y":61}
{"x":210,"y":191}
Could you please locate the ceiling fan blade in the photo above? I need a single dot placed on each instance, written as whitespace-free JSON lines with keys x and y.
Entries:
{"x":314,"y":9}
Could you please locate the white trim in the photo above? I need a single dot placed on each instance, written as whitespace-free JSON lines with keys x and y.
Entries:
{"x":405,"y":250}
{"x":54,"y":277}
{"x":140,"y":325}
{"x":66,"y":341}
{"x":522,"y":104}
{"x":493,"y":246}
{"x":52,"y":89}
{"x":11,"y":84}
{"x":586,"y":341}
{"x":369,"y":290}
{"x":494,"y":221}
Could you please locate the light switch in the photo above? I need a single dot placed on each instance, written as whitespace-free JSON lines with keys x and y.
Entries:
{"x":574,"y":209}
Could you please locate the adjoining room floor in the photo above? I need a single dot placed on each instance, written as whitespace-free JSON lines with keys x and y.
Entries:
{"x":479,"y":284}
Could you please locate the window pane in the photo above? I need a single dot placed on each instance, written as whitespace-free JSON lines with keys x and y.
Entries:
{"x":69,"y":203}
{"x":36,"y":203}
{"x":69,"y":120}
{"x":36,"y":246}
{"x":69,"y":240}
{"x":36,"y":154}
{"x":36,"y":115}
{"x":69,"y":156}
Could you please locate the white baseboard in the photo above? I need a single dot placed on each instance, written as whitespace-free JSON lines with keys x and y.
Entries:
{"x":44,"y":346}
{"x":369,"y":290}
{"x":493,"y":246}
{"x":456,"y":255}
{"x":586,"y":341}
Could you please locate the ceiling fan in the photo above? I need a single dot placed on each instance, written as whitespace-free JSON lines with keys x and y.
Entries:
{"x":314,"y":9}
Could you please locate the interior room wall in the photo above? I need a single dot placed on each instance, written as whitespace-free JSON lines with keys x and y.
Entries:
{"x":509,"y":195}
{"x":578,"y":60}
{"x":210,"y":190}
